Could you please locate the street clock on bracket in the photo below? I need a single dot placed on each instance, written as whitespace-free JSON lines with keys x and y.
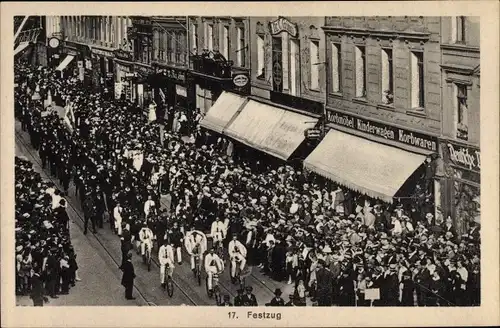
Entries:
{"x":54,"y":43}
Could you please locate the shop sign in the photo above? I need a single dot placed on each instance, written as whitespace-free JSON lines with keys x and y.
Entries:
{"x":283,"y":25}
{"x":102,"y":52}
{"x":312,"y":133}
{"x":240,"y":80}
{"x":174,"y":74}
{"x":123,"y":54}
{"x":385,"y":131}
{"x":144,"y":71}
{"x":466,"y":157}
{"x":180,"y":90}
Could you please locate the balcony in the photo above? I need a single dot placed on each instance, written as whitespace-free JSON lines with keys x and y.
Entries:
{"x":212,"y":65}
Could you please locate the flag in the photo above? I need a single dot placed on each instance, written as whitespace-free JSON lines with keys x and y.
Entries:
{"x":162,"y":95}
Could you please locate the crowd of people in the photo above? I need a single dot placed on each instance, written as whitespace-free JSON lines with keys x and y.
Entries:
{"x":331,"y":243}
{"x":45,"y":259}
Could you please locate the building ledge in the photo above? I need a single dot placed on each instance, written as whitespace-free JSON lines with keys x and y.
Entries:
{"x":389,"y":34}
{"x":460,"y":47}
{"x":168,"y":65}
{"x":417,"y":113}
{"x":291,"y":109}
{"x":459,"y":69}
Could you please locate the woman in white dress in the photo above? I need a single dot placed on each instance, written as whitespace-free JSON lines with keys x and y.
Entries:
{"x":152,"y":112}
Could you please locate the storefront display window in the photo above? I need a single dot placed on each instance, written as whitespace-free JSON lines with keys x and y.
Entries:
{"x":466,"y":202}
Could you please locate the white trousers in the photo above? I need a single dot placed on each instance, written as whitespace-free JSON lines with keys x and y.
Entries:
{"x":242,"y":262}
{"x":193,"y":261}
{"x":149,"y":243}
{"x":178,"y":250}
{"x":210,"y":272}
{"x":118,"y":226}
{"x":217,"y":237}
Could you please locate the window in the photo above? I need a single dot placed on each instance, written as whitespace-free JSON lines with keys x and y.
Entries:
{"x":294,"y":62}
{"x":417,"y":80}
{"x":170,"y":47}
{"x":178,"y":47}
{"x":461,"y":116}
{"x":225,"y":42}
{"x":277,"y":52}
{"x":360,"y":63}
{"x":156,"y":45}
{"x":314,"y":60}
{"x":194,"y":38}
{"x":387,"y":77}
{"x":458,"y":29}
{"x":335,"y":66}
{"x":161,"y":46}
{"x":241,"y":51}
{"x":261,"y":74}
{"x":210,"y":37}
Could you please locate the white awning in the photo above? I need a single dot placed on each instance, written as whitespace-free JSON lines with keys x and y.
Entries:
{"x":365,"y":166}
{"x":65,"y":62}
{"x":273,"y":130}
{"x":20,"y":47}
{"x":222,"y":111}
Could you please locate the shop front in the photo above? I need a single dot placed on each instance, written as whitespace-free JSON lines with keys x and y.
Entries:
{"x":210,"y":76}
{"x":104,"y":68}
{"x":142,"y":91}
{"x":170,"y":91}
{"x":76,"y":60}
{"x":381,"y":161}
{"x":124,"y":74}
{"x":461,"y":183}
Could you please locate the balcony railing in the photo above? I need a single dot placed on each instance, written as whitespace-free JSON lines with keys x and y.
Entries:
{"x":216,"y":66}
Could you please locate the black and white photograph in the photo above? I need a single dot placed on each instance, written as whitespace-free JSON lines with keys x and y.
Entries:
{"x":260,"y":161}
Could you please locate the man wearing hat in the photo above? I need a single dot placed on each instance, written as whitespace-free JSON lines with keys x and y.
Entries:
{"x":324,"y":285}
{"x":277,"y":300}
{"x":249,"y":298}
{"x":238,"y":299}
{"x":226,"y":301}
{"x":128,"y":277}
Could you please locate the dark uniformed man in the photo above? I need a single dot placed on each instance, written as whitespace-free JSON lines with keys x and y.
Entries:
{"x":249,"y":299}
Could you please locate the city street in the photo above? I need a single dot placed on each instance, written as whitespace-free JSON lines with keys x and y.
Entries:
{"x":99,"y":257}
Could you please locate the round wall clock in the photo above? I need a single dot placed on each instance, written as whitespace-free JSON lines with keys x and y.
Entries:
{"x":54,"y":42}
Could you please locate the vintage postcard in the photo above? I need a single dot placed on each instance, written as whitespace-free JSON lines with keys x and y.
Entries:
{"x":341,"y":158}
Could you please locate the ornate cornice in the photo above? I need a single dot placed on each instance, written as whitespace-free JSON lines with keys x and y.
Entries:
{"x":383,"y":34}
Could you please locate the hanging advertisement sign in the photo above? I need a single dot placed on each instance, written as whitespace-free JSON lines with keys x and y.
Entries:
{"x":118,"y":90}
{"x":180,"y":90}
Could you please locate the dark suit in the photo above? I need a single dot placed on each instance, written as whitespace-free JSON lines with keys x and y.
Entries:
{"x":249,"y":300}
{"x":324,"y":283}
{"x":276,"y":302}
{"x":37,"y":290}
{"x":128,"y":278}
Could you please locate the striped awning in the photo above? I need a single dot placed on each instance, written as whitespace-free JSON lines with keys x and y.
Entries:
{"x":222,"y":111}
{"x":362,"y":165}
{"x":21,"y":47}
{"x":65,"y":62}
{"x":270,"y":129}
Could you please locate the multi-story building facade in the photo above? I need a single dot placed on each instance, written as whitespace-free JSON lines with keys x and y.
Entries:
{"x":92,"y":40}
{"x":460,"y":148}
{"x":29,"y":39}
{"x":287,"y":62}
{"x":170,"y":60}
{"x":382,"y":78}
{"x":218,"y":51}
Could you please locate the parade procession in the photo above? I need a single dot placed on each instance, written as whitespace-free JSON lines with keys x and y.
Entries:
{"x":246,"y":161}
